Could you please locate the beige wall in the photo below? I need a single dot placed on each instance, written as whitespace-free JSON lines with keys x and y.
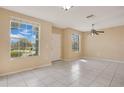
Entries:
{"x":109,"y":45}
{"x":6,"y":64}
{"x":67,"y":42}
{"x":59,"y":31}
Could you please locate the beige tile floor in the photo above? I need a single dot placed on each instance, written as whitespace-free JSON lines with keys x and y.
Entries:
{"x":80,"y":73}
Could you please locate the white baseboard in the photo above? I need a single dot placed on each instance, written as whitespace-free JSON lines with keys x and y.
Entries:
{"x":105,"y":59}
{"x":57,"y":60}
{"x":71,"y":59}
{"x":27,"y":69}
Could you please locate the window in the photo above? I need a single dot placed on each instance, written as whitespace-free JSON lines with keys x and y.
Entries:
{"x":75,"y":42}
{"x":24,"y":38}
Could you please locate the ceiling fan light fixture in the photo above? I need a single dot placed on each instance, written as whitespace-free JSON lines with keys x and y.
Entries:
{"x":66,"y":8}
{"x":95,"y":32}
{"x":92,"y":34}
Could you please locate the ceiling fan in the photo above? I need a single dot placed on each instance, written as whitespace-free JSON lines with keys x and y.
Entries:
{"x":95,"y":32}
{"x":66,"y":8}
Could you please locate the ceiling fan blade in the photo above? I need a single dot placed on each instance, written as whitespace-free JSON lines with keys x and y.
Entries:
{"x":96,"y":33}
{"x":100,"y":31}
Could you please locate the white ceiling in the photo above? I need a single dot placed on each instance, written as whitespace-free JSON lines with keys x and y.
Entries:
{"x":105,"y":16}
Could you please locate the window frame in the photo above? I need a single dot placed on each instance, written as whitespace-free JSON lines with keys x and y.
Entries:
{"x":79,"y":46}
{"x":19,"y":20}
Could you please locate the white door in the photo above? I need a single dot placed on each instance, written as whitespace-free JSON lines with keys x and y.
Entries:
{"x":56,"y":47}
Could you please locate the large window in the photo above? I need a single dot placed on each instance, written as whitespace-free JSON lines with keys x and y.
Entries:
{"x":24,"y":38}
{"x":75,"y":42}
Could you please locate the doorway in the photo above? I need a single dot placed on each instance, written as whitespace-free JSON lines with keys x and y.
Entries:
{"x":56,"y":47}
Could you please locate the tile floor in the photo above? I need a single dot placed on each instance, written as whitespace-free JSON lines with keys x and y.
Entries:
{"x":80,"y":73}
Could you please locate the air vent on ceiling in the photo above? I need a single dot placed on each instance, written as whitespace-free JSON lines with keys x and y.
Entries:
{"x":90,"y":16}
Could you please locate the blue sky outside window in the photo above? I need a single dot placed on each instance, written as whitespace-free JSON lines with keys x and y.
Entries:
{"x":25,"y":31}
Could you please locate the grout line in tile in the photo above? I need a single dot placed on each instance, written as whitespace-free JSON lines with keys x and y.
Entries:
{"x":7,"y":81}
{"x":113,"y":75}
{"x":37,"y":77}
{"x":99,"y":74}
{"x":24,"y":81}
